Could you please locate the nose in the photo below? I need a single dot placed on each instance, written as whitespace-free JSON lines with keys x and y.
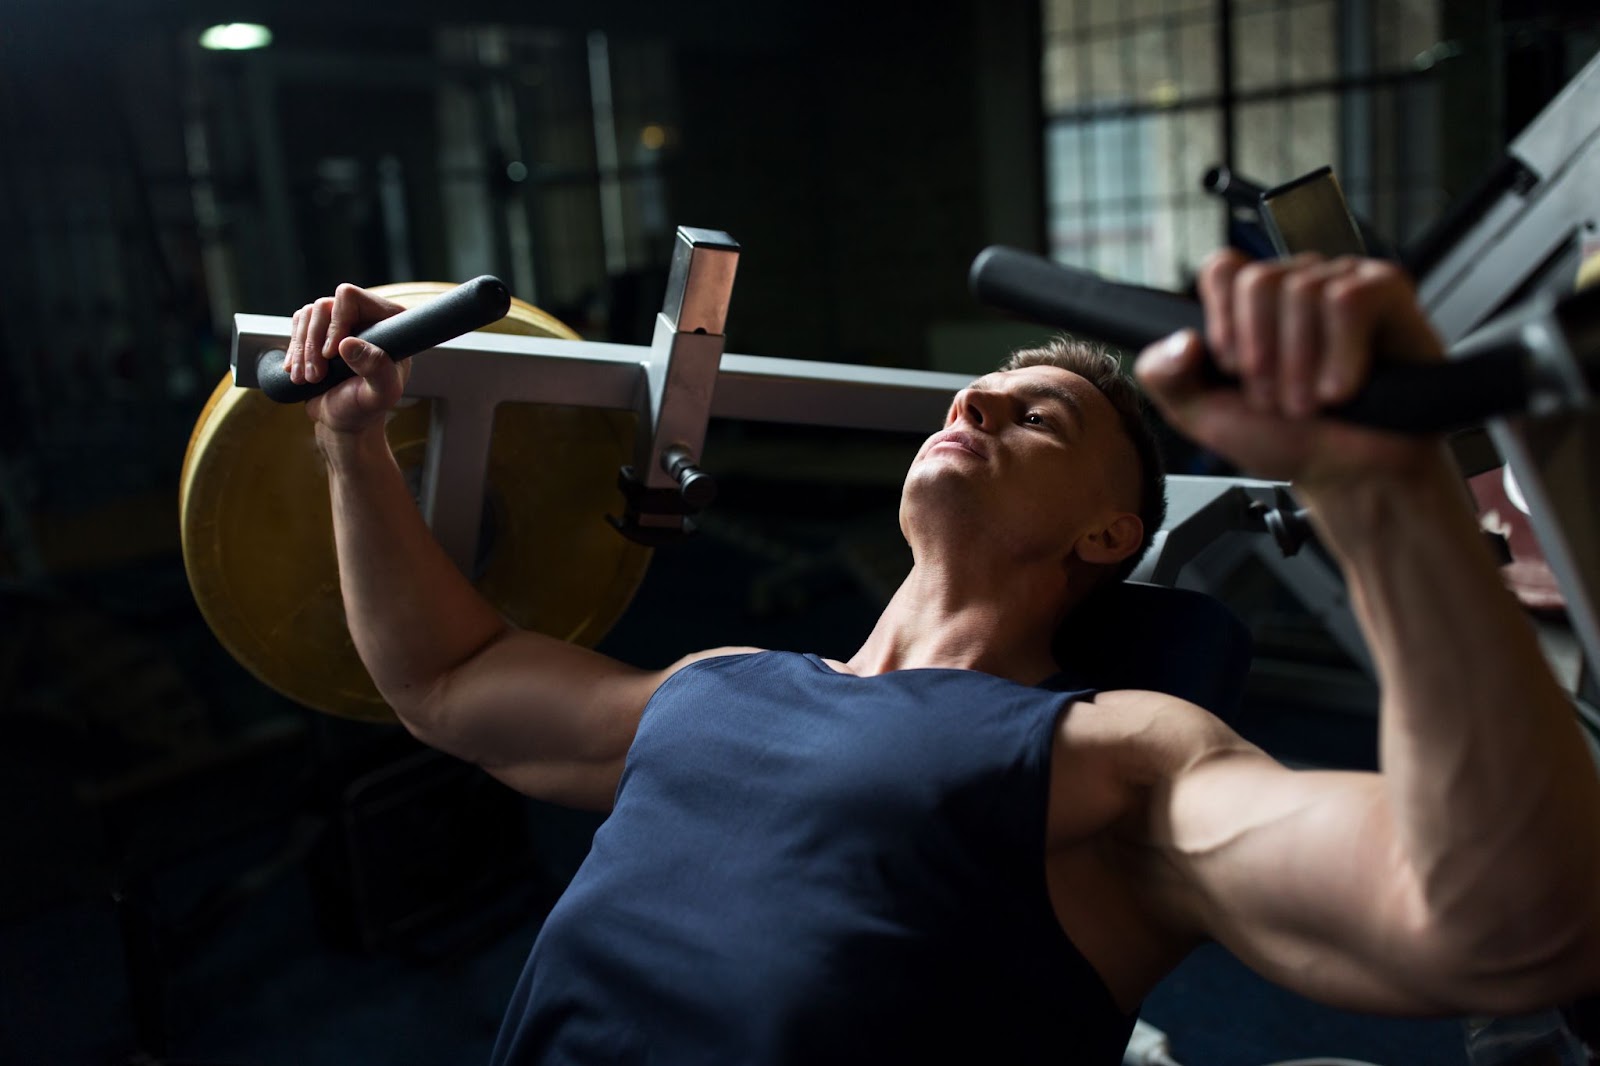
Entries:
{"x":979,"y":408}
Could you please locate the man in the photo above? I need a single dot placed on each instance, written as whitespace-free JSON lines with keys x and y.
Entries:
{"x":926,"y":852}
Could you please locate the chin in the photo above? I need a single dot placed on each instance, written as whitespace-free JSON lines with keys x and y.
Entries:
{"x":939,"y":498}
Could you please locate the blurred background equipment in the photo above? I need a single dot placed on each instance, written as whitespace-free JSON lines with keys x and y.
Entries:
{"x":198,"y":869}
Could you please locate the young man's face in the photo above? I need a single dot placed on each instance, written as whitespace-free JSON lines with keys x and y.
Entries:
{"x":1034,"y":458}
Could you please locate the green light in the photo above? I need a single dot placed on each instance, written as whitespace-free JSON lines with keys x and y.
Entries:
{"x":235,"y":37}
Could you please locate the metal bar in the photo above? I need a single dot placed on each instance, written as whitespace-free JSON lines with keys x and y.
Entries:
{"x":1532,"y":225}
{"x":1559,"y":159}
{"x":483,"y":370}
{"x":609,"y":376}
{"x":1553,"y":460}
{"x":1321,"y":591}
{"x":1200,"y":511}
{"x":454,"y":473}
{"x":845,"y":396}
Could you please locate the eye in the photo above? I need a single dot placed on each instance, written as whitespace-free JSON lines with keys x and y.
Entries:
{"x":1034,"y":418}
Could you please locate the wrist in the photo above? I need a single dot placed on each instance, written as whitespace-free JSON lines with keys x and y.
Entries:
{"x":350,"y":449}
{"x":1372,"y":510}
{"x":1413,"y":466}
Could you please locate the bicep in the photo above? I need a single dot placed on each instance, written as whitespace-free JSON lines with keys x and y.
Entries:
{"x":550,"y":719}
{"x":1300,"y":874}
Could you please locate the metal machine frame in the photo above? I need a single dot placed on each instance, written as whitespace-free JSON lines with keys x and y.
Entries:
{"x":680,"y":382}
{"x":1542,"y":202}
{"x":674,"y":386}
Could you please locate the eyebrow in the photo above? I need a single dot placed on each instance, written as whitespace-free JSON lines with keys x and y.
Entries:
{"x":1046,"y":391}
{"x":1041,"y":390}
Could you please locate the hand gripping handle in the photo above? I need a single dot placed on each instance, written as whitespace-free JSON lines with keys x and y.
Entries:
{"x":1400,"y":396}
{"x":466,"y":307}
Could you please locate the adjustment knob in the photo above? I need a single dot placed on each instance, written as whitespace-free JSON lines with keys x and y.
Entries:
{"x":697,"y":487}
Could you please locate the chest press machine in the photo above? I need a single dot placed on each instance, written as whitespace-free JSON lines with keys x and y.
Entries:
{"x":245,"y":488}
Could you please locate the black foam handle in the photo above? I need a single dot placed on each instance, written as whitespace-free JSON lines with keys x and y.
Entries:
{"x":469,"y":306}
{"x":1402,"y":396}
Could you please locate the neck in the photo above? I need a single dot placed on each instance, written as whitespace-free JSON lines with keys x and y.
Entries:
{"x":971,"y":613}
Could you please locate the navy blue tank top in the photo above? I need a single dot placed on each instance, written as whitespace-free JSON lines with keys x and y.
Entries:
{"x":805,"y":866}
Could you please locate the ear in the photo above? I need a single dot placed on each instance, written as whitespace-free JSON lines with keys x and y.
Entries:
{"x":1113,"y":542}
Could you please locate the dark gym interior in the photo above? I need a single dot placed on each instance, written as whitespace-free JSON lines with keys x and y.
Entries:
{"x":196,"y":869}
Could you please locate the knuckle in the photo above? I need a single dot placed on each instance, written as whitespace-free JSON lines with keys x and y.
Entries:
{"x":1222,"y":259}
{"x":1258,"y":277}
{"x":1382,"y":276}
{"x":1301,"y":286}
{"x":1346,"y":294}
{"x":1384,"y":271}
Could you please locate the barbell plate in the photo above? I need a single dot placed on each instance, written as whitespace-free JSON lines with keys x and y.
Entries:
{"x":257,"y":527}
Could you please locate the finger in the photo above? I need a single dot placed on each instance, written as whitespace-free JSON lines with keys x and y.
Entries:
{"x":366,"y":359}
{"x":1255,"y":314}
{"x":1351,"y":306}
{"x":1402,"y":329}
{"x":354,"y":308}
{"x":1301,"y":348}
{"x":291,"y":355}
{"x":1372,"y":312}
{"x":1170,"y":373}
{"x":316,"y":334}
{"x":1299,"y":343}
{"x":382,"y":381}
{"x":1215,"y":284}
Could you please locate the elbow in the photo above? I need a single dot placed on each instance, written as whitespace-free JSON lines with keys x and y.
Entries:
{"x":428,"y":706}
{"x":420,"y":707}
{"x":1511,"y":935}
{"x":1527,"y":963}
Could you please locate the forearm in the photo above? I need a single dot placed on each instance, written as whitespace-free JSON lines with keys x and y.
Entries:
{"x":1494,"y":798}
{"x":412,"y":615}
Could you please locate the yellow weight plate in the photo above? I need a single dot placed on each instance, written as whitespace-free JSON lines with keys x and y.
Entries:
{"x":258,"y":530}
{"x":1589,"y":272}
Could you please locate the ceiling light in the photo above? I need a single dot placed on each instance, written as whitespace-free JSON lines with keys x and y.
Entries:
{"x":235,"y":37}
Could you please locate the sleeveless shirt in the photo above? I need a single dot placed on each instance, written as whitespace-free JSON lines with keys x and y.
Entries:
{"x":806,"y":866}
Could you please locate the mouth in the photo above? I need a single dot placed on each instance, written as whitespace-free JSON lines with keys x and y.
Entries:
{"x":958,"y":441}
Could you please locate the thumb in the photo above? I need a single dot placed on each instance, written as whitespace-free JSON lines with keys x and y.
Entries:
{"x":1172,"y":373}
{"x":1169,"y":370}
{"x":364,"y":358}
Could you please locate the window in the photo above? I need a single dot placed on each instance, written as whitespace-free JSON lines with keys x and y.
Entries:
{"x":1141,"y":98}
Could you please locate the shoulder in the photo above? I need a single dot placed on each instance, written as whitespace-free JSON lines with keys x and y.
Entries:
{"x":729,"y":652}
{"x":1113,"y":751}
{"x":1148,"y":736}
{"x":713,"y":653}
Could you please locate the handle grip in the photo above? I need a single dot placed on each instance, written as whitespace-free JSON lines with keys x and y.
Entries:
{"x":1399,"y":396}
{"x":469,"y":306}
